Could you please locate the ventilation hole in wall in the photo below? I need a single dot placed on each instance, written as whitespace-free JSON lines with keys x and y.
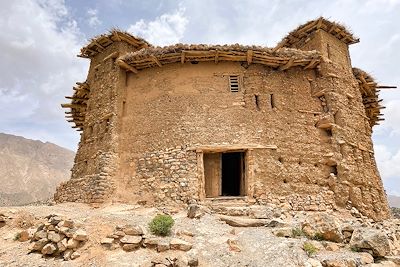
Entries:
{"x":194,"y":62}
{"x":272,"y":100}
{"x":300,"y":162}
{"x":280,"y":159}
{"x":284,"y":181}
{"x":257,"y":101}
{"x":234,"y":83}
{"x":123,"y":108}
{"x":316,"y":165}
{"x":85,"y":163}
{"x":333,"y":169}
{"x":328,"y":132}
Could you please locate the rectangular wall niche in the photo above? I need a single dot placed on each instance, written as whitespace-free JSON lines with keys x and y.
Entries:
{"x":224,"y":174}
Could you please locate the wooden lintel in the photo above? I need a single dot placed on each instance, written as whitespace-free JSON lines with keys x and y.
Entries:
{"x":155,"y":59}
{"x":125,"y":66}
{"x":249,"y":56}
{"x":288,"y":64}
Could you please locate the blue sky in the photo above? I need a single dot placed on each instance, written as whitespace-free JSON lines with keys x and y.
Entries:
{"x":40,"y":40}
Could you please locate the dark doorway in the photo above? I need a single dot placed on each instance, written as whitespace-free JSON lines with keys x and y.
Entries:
{"x":232,"y":175}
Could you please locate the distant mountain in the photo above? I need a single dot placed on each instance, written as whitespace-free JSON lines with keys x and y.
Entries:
{"x":30,"y":170}
{"x":394,"y":201}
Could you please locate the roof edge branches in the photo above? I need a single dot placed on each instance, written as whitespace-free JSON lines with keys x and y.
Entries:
{"x":302,"y":32}
{"x":98,"y":43}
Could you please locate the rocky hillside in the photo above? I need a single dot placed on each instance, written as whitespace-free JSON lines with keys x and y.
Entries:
{"x":31,"y":170}
{"x":394,"y":201}
{"x":201,"y":236}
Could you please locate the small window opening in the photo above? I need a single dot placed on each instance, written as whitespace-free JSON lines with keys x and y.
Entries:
{"x":280,"y":159}
{"x":333,"y":169}
{"x":107,"y":124}
{"x":257,"y":101}
{"x":194,"y":62}
{"x":272,"y":100}
{"x":284,"y":181}
{"x":300,"y":162}
{"x":234,"y":83}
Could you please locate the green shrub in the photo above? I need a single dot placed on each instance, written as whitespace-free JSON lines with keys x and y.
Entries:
{"x":318,"y":236}
{"x":17,"y":236}
{"x":309,"y":248}
{"x":298,"y":232}
{"x":161,"y":225}
{"x":354,"y":249}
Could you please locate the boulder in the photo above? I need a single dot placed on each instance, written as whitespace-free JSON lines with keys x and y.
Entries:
{"x":67,"y":254}
{"x":133,"y":230}
{"x":72,"y":243}
{"x":66,"y":223}
{"x":324,"y":226}
{"x":365,"y":258}
{"x":62,"y":245}
{"x":49,"y":249}
{"x":370,"y":239}
{"x":80,"y":235}
{"x":54,"y":237}
{"x":38,"y":245}
{"x":283,"y":232}
{"x":194,"y":211}
{"x":75,"y":255}
{"x":150,"y":242}
{"x":40,"y":235}
{"x":243,"y":222}
{"x":314,"y":262}
{"x":180,"y":244}
{"x":23,"y":236}
{"x":130,"y":247}
{"x":131,"y":239}
{"x":163,"y":246}
{"x":276,"y":223}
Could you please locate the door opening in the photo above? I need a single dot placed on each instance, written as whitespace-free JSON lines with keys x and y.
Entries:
{"x":224,"y":174}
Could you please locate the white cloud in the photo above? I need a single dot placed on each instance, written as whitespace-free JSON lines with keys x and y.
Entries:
{"x":39,"y":42}
{"x":166,"y":29}
{"x":93,"y":19}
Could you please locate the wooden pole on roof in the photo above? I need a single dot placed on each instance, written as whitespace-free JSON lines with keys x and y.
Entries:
{"x":249,"y":56}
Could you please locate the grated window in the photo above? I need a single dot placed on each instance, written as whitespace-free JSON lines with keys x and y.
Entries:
{"x":234,"y":83}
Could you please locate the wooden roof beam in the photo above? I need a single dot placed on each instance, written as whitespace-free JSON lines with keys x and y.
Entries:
{"x":249,"y":56}
{"x":287,"y":65}
{"x":155,"y":60}
{"x":125,"y":66}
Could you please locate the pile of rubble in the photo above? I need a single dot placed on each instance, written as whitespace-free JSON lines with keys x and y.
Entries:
{"x":131,"y":237}
{"x":56,"y":237}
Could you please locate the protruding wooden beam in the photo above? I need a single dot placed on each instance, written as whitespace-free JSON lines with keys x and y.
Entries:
{"x":311,"y":64}
{"x":125,"y":66}
{"x":116,"y":36}
{"x":69,"y":105}
{"x":249,"y":56}
{"x":386,"y":87}
{"x":155,"y":59}
{"x":112,"y":55}
{"x":287,"y":65}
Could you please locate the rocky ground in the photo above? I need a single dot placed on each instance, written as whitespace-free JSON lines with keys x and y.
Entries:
{"x":73,"y":234}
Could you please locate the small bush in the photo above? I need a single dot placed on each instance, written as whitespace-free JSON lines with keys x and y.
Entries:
{"x":309,"y":248}
{"x":161,"y":225}
{"x":318,"y":236}
{"x":298,"y":232}
{"x":354,"y":249}
{"x":17,"y":236}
